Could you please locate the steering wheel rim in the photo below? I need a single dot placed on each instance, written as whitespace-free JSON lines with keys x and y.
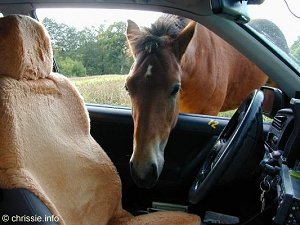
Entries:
{"x":226,"y":146}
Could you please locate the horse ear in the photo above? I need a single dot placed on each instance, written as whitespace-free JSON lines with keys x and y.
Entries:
{"x":182,"y":41}
{"x":133,"y":32}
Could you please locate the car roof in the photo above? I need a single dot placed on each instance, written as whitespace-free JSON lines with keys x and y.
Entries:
{"x":200,"y":10}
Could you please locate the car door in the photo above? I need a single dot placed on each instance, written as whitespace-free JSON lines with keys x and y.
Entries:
{"x":189,"y":142}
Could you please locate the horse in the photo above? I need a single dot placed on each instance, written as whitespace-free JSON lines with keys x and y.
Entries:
{"x":179,"y":66}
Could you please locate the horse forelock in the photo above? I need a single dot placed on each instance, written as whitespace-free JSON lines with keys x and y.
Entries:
{"x":165,"y":29}
{"x":150,"y":44}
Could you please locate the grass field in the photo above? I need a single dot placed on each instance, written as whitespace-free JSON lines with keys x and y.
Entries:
{"x":109,"y":90}
{"x":104,"y":89}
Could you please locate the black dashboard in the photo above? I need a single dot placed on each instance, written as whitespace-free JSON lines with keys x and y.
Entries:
{"x":280,"y":183}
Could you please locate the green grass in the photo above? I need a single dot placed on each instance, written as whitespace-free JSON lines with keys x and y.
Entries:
{"x":104,"y":89}
{"x":227,"y":113}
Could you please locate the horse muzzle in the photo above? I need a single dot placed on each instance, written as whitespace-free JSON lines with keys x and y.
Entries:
{"x":144,"y":177}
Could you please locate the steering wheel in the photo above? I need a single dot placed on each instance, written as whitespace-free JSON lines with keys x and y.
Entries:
{"x":232,"y":148}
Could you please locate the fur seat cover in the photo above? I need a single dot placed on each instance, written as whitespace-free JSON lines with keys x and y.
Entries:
{"x":46,"y":146}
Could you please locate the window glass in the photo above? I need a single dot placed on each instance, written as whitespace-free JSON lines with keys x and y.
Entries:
{"x":277,"y":22}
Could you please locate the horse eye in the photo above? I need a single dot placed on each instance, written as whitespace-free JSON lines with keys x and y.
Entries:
{"x":175,"y":90}
{"x":126,"y":88}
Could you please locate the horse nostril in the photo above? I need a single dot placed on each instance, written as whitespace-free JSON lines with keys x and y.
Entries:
{"x":154,"y":171}
{"x":144,"y":177}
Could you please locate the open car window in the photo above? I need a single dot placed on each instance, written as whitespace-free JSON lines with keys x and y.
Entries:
{"x":91,"y":49}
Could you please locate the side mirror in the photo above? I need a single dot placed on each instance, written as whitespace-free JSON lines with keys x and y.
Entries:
{"x":273,"y":101}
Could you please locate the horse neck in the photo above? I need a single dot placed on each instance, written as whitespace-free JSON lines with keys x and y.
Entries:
{"x":202,"y":43}
{"x":198,"y":66}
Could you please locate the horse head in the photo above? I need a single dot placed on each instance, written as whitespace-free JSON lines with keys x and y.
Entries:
{"x":153,"y":84}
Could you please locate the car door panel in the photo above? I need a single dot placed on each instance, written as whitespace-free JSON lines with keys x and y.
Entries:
{"x":112,"y":128}
{"x":192,"y":137}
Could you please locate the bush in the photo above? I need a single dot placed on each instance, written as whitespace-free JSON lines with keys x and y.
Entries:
{"x":71,"y":68}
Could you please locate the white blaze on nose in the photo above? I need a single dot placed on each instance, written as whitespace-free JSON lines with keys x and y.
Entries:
{"x":149,"y":71}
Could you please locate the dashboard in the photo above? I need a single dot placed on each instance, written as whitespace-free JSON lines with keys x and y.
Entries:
{"x":280,"y":182}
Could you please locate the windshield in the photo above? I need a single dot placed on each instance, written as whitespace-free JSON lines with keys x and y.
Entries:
{"x":278,"y":23}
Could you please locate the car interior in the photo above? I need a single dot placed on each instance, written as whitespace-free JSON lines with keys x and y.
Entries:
{"x":53,"y":170}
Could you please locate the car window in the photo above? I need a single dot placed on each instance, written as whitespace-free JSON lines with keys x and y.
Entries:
{"x":286,"y":39}
{"x":91,"y":49}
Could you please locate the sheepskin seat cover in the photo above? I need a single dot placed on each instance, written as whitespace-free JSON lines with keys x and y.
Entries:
{"x":46,"y":146}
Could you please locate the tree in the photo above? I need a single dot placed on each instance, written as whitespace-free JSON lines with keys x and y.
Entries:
{"x":64,"y":38}
{"x":70,"y":67}
{"x":95,"y":50}
{"x":91,"y":56}
{"x":113,"y":44}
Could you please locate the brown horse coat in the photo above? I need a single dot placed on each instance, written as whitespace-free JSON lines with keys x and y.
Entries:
{"x":215,"y":76}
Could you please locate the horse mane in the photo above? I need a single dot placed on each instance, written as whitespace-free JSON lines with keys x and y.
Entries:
{"x":164,"y":29}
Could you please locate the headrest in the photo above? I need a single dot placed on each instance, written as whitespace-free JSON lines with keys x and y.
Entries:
{"x":25,"y":48}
